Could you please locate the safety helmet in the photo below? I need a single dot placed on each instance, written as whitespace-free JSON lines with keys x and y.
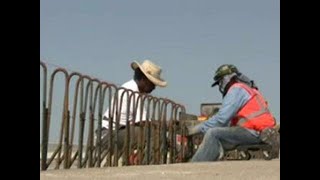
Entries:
{"x":223,"y":70}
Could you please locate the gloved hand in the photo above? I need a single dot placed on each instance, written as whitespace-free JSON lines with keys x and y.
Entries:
{"x":192,"y":130}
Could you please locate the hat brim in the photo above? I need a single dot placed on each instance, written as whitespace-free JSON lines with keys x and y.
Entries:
{"x":155,"y":81}
{"x":215,"y":83}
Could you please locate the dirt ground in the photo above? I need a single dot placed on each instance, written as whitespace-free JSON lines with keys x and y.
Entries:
{"x":237,"y":170}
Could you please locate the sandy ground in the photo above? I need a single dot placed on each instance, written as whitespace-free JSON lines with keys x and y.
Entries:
{"x":237,"y":170}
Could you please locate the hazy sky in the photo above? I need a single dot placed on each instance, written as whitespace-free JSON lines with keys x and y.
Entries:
{"x":189,"y":39}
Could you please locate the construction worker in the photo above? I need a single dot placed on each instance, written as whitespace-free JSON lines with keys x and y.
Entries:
{"x":243,"y":115}
{"x":145,"y":79}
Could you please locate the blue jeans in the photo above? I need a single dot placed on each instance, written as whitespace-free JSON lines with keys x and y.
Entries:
{"x":227,"y":137}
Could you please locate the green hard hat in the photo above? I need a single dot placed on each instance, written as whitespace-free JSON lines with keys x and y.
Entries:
{"x":223,"y":70}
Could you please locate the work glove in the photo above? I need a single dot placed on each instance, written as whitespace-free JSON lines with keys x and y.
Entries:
{"x":192,"y":130}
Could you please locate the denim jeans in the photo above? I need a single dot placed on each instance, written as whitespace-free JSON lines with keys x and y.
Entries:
{"x":227,"y":137}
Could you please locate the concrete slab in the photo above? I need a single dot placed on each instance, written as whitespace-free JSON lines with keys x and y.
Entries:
{"x":237,"y":170}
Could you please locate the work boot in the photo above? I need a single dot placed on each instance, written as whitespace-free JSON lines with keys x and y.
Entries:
{"x":268,"y":135}
{"x":271,"y":137}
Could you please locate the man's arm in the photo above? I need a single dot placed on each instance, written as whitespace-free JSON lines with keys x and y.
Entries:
{"x":232,"y":103}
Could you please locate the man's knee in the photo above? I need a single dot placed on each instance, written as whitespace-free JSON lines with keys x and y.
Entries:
{"x":215,"y":132}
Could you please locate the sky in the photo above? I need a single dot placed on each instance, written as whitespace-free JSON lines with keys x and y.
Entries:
{"x":189,"y":39}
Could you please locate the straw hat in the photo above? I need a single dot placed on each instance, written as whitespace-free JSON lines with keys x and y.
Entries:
{"x":151,"y":71}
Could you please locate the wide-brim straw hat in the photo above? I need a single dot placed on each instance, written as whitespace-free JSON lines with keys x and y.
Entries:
{"x":151,"y":71}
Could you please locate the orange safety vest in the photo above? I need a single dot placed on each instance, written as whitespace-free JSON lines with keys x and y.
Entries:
{"x":255,"y":113}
